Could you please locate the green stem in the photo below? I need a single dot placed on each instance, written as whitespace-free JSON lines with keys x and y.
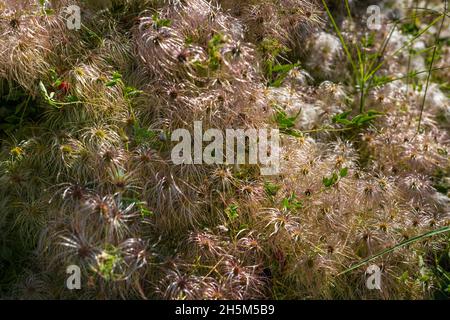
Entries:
{"x":400,"y":245}
{"x":436,"y":44}
{"x":413,"y":74}
{"x":414,"y":17}
{"x":341,"y":38}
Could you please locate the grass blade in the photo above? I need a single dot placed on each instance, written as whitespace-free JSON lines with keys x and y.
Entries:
{"x":400,"y":245}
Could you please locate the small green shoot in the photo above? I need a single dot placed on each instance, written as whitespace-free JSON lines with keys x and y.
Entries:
{"x":271,"y":189}
{"x":159,"y":22}
{"x":115,"y":80}
{"x":232,"y":212}
{"x":334,"y":178}
{"x":286,"y":123}
{"x":358,"y":121}
{"x":291,"y":203}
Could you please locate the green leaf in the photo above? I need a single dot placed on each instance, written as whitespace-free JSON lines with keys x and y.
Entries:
{"x":330,"y":181}
{"x":131,"y":92}
{"x":279,"y":72}
{"x":271,"y":189}
{"x":161,"y":22}
{"x":368,"y":41}
{"x":442,"y":152}
{"x":43,"y":89}
{"x":140,"y":205}
{"x":232,"y":211}
{"x":341,"y":118}
{"x":72,"y":98}
{"x":116,"y":78}
{"x":271,"y":48}
{"x":357,"y":121}
{"x":343,"y":172}
{"x":57,"y":83}
{"x":214,"y":45}
{"x":283,"y":120}
{"x":410,"y":28}
{"x":291,"y":203}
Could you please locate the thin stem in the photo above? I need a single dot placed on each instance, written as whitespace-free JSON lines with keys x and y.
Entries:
{"x":369,"y":78}
{"x":362,"y":96}
{"x":24,"y":109}
{"x":410,"y":75}
{"x":408,"y":43}
{"x":336,"y":28}
{"x":436,"y":44}
{"x":414,"y":17}
{"x":383,"y":47}
{"x":398,"y":246}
